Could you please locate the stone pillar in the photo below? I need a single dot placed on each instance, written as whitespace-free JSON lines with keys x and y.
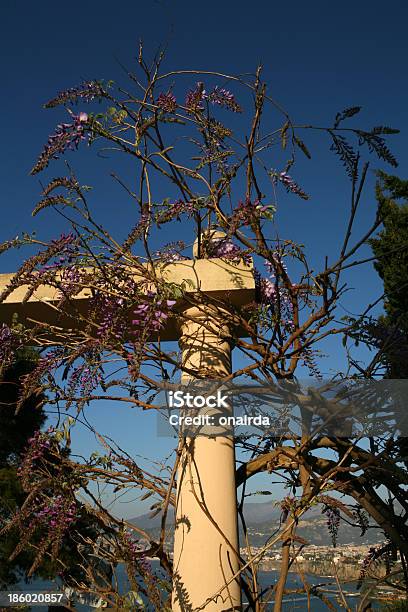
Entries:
{"x":206,"y":533}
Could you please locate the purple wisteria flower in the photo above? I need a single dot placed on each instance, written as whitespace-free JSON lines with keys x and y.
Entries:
{"x":265,"y":289}
{"x":219,"y":96}
{"x":60,"y":513}
{"x":9,"y":343}
{"x":170,"y":253}
{"x":37,"y":447}
{"x":274,"y":296}
{"x":195,"y":98}
{"x":53,"y":515}
{"x":64,"y":241}
{"x":289,"y":183}
{"x":174,"y":210}
{"x":333,"y":522}
{"x":70,"y":282}
{"x":133,"y":545}
{"x":110,"y":315}
{"x":32,"y":381}
{"x":66,"y":248}
{"x":167,"y":102}
{"x":84,"y":379}
{"x":381,"y":551}
{"x":86,"y":92}
{"x":224,"y":248}
{"x":37,"y":270}
{"x":137,"y":231}
{"x":248,"y":210}
{"x":66,"y":136}
{"x":268,"y":291}
{"x":269,"y":265}
{"x":52,"y":508}
{"x":136,"y":556}
{"x":151,"y":316}
{"x":223,"y":97}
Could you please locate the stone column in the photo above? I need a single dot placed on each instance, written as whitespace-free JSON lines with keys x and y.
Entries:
{"x":206,"y":533}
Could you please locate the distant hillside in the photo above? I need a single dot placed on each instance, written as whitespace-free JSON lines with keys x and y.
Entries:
{"x":262,"y":520}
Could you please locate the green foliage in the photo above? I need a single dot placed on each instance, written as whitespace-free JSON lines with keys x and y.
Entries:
{"x":390,"y":248}
{"x":373,"y":139}
{"x":15,"y":429}
{"x":346,"y":114}
{"x":388,"y":334}
{"x":70,"y":557}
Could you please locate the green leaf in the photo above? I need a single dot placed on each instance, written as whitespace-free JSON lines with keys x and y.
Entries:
{"x":58,"y":436}
{"x":284,"y":132}
{"x":346,"y":114}
{"x":302,"y":147}
{"x":146,"y":495}
{"x":383,"y":129}
{"x":134,"y":599}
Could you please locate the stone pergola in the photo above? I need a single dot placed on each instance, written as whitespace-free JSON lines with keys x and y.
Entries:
{"x":206,"y":546}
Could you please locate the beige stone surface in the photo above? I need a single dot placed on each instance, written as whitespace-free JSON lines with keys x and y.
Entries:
{"x":206,"y":546}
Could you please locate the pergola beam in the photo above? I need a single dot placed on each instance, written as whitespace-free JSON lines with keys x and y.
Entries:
{"x":217,"y":279}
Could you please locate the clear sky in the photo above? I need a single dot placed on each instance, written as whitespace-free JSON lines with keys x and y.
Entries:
{"x":318,"y":57}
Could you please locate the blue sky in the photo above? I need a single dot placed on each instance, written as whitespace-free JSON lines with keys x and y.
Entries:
{"x":318,"y":58}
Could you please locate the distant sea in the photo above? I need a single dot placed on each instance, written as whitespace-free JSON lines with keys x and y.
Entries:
{"x":295,"y":603}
